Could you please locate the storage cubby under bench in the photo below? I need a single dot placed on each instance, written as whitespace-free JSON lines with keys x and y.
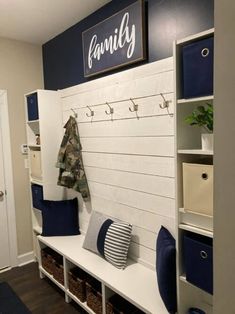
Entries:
{"x":136,"y":283}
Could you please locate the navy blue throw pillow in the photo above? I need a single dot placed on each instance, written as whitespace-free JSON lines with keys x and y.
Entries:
{"x":60,"y":218}
{"x":166,"y":269}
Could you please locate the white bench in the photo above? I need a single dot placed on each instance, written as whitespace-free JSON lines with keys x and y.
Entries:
{"x":137,"y":283}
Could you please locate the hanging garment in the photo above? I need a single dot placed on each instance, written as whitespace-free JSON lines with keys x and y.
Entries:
{"x":71,"y":173}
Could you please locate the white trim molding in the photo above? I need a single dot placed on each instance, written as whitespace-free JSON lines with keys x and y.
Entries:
{"x":26,"y":258}
{"x":7,"y":157}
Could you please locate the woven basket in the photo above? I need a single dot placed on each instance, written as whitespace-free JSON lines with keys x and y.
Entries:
{"x":118,"y":305}
{"x":47,"y":260}
{"x":58,"y":272}
{"x":94,"y":296}
{"x":52,"y":262}
{"x":77,"y":283}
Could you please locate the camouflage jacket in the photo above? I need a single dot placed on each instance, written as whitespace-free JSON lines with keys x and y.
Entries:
{"x":71,"y":173}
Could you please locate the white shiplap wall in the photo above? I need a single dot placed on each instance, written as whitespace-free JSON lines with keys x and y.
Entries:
{"x":129,"y":162}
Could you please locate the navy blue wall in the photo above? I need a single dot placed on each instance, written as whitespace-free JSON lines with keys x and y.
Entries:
{"x":166,"y":20}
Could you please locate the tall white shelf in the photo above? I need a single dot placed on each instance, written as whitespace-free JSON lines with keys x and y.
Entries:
{"x":188,"y":149}
{"x":49,"y":126}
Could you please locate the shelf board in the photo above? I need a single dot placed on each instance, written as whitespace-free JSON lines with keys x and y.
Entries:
{"x":195,"y":36}
{"x":197,"y":220}
{"x":197,"y":230}
{"x":82,"y":304}
{"x":195,"y":152}
{"x":33,"y":121}
{"x":183,"y":211}
{"x":51,"y":278}
{"x":197,"y":99}
{"x":39,"y":182}
{"x":183,"y":279}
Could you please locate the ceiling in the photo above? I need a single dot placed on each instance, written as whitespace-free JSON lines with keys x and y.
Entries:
{"x":37,"y":21}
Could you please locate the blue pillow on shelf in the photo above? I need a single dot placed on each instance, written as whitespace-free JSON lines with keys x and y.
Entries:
{"x":60,"y":218}
{"x":166,"y":269}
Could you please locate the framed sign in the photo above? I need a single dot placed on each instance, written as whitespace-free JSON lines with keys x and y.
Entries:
{"x":117,"y":41}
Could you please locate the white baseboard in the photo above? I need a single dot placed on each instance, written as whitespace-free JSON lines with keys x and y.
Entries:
{"x":26,"y":258}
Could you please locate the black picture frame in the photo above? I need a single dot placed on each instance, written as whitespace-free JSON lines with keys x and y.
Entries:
{"x":115,"y":42}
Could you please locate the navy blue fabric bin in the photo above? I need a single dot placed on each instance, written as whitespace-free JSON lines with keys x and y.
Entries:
{"x":37,"y":195}
{"x":198,"y":59}
{"x":32,"y":106}
{"x":198,"y":261}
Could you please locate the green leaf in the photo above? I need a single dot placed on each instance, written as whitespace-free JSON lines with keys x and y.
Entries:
{"x":201,"y":109}
{"x":202,"y":116}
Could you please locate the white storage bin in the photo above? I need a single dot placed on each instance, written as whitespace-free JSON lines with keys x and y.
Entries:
{"x":35,"y":163}
{"x":198,"y":188}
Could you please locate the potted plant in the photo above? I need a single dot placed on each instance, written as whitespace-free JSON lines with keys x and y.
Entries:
{"x":202,"y":116}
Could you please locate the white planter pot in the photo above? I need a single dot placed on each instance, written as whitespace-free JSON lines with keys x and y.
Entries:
{"x":207,"y":141}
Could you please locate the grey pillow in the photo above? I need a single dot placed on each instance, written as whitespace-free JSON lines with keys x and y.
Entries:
{"x":96,"y":221}
{"x":109,"y":238}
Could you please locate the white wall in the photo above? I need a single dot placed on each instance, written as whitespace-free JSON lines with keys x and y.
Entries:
{"x":224,"y":160}
{"x":129,"y":163}
{"x":21,"y":72}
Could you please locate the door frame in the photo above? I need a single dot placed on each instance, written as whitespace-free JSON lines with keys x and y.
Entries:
{"x":8,"y":172}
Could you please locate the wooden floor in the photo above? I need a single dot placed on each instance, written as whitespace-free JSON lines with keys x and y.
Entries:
{"x":41,"y":296}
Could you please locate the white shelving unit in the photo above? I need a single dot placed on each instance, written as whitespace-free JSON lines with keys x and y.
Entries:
{"x":196,"y":100}
{"x":195,"y":152}
{"x":48,"y":126}
{"x":188,"y":149}
{"x":196,"y":230}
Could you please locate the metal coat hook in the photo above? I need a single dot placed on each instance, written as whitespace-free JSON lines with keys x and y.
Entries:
{"x":110,"y":112}
{"x":165,"y":104}
{"x":74,"y":112}
{"x":91,"y":115}
{"x":134,"y":108}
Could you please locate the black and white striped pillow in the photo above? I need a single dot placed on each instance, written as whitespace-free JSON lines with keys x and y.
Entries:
{"x":116,"y":243}
{"x":113,"y":242}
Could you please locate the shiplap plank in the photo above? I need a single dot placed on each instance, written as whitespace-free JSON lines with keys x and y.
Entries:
{"x":155,"y":126}
{"x":146,"y":70}
{"x":139,"y":235}
{"x":155,"y":84}
{"x":148,"y":202}
{"x":160,"y":66}
{"x":141,"y":220}
{"x":162,"y":166}
{"x":144,"y":237}
{"x":161,"y":83}
{"x":142,"y":254}
{"x":162,"y":186}
{"x":153,"y":146}
{"x":144,"y":220}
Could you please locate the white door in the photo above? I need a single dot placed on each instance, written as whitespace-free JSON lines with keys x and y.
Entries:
{"x":4,"y":235}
